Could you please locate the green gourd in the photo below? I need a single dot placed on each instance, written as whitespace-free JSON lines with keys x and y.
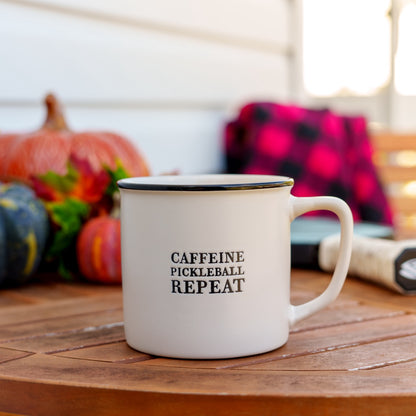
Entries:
{"x":24,"y":229}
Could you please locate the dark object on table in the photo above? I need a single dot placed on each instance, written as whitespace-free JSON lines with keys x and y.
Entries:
{"x":307,"y":234}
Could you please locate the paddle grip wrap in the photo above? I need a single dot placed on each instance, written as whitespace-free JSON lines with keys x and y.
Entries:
{"x":385,"y":262}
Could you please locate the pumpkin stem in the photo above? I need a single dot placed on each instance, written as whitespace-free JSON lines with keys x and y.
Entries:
{"x":55,"y":119}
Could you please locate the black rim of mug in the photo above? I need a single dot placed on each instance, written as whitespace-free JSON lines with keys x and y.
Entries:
{"x":146,"y":184}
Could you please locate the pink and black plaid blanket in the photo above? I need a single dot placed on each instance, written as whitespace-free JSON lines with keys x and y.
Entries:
{"x":326,"y":154}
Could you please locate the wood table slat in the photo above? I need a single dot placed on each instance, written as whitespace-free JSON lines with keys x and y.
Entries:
{"x":59,"y":308}
{"x":66,"y":344}
{"x":342,"y":314}
{"x":118,"y":352}
{"x":49,"y":369}
{"x":7,"y":354}
{"x":57,"y":326}
{"x":72,"y":400}
{"x":361,"y":357}
{"x":49,"y":289}
{"x":312,"y":342}
{"x":70,"y":340}
{"x":358,"y":289}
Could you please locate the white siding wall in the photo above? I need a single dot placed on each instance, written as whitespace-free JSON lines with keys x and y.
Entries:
{"x":166,"y":73}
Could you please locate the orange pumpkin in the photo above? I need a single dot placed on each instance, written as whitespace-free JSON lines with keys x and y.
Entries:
{"x":48,"y":149}
{"x":99,"y":250}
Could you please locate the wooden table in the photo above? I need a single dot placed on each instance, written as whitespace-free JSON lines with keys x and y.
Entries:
{"x":62,"y":352}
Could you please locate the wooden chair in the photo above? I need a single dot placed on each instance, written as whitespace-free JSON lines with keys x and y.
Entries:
{"x":395,"y":159}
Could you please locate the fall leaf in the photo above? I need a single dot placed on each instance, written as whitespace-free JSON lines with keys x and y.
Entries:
{"x":69,"y":216}
{"x":115,"y":175}
{"x":80,"y":181}
{"x":71,"y":199}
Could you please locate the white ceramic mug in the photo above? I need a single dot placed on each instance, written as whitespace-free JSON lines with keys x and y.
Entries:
{"x":206,"y":263}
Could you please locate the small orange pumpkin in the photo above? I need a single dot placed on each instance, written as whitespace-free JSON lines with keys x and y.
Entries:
{"x":48,"y":149}
{"x":99,"y":250}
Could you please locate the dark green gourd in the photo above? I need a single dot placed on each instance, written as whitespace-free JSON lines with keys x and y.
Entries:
{"x":24,"y":230}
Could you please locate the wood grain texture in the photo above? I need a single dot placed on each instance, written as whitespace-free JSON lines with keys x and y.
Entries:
{"x":393,"y":142}
{"x":355,"y":357}
{"x":7,"y":354}
{"x":396,"y":176}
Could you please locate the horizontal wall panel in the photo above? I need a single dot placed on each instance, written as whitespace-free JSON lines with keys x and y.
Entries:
{"x":167,"y":74}
{"x":261,"y":23}
{"x":188,"y":141}
{"x":86,"y":59}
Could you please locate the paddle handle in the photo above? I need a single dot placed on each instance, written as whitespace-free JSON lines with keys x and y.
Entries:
{"x":386,"y":262}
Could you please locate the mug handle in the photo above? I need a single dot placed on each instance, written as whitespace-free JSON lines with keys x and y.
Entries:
{"x":299,"y":206}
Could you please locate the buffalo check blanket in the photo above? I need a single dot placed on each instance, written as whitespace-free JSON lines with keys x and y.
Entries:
{"x":326,"y":154}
